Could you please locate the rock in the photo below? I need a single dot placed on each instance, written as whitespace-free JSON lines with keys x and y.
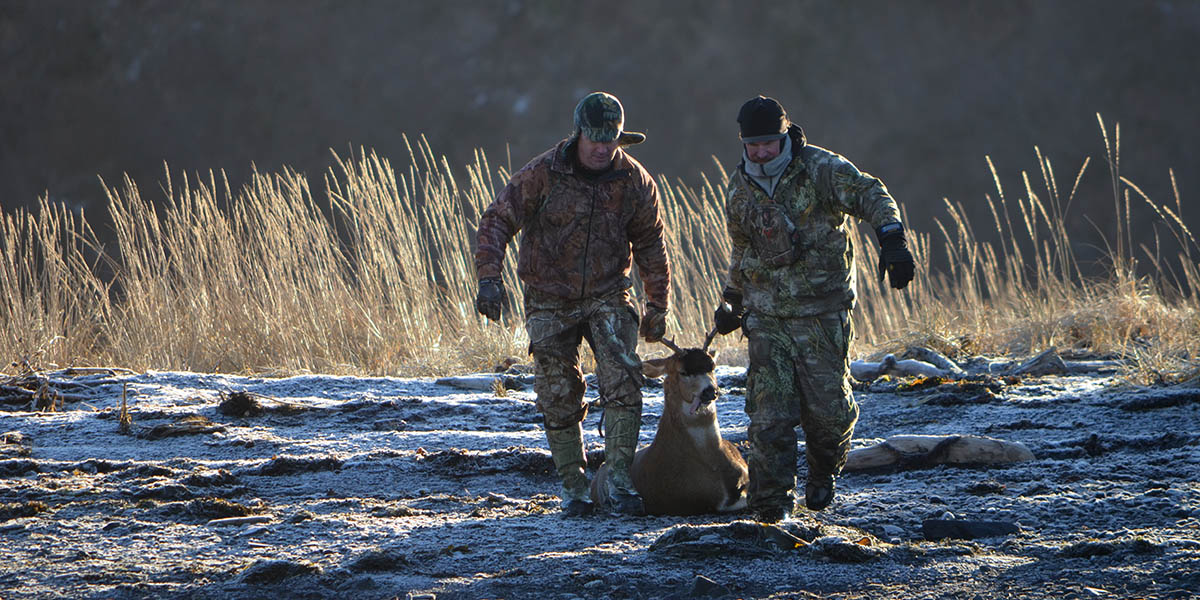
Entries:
{"x":940,"y":529}
{"x":1089,"y":549}
{"x":960,"y":399}
{"x":1046,"y":363}
{"x":290,"y":465}
{"x":360,"y":583}
{"x":239,"y":404}
{"x":1037,"y":488}
{"x":209,"y":478}
{"x":840,"y":549}
{"x":165,"y":491}
{"x":390,"y":425}
{"x":17,"y":467}
{"x":513,"y":366}
{"x":985,"y":488}
{"x":210,"y":508}
{"x":185,"y":425}
{"x":269,"y":571}
{"x":15,"y":444}
{"x":703,"y":587}
{"x":380,"y":560}
{"x":1093,"y":446}
{"x":735,"y":380}
{"x":742,"y":538}
{"x":247,"y":520}
{"x":1156,"y":399}
{"x":16,"y":510}
{"x":301,"y":516}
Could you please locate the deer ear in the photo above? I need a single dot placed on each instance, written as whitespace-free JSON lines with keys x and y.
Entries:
{"x":655,"y":367}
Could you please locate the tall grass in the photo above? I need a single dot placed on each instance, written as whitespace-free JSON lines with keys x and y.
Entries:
{"x":374,"y":274}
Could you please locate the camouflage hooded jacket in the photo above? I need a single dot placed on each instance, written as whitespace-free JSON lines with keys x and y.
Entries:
{"x":579,"y":233}
{"x":791,"y":253}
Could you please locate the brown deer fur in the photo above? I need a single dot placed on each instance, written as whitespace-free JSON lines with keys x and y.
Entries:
{"x":689,"y":468}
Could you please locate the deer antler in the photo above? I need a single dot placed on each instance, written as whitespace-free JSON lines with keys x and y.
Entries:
{"x":709,"y":338}
{"x":671,"y":344}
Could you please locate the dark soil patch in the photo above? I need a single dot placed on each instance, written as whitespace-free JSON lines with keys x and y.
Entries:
{"x":16,"y":510}
{"x":290,"y":465}
{"x":465,"y":463}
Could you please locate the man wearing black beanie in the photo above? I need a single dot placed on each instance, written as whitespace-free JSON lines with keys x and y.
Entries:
{"x":791,"y":290}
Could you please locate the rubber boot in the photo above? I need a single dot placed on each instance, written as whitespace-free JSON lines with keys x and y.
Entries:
{"x":621,"y":429}
{"x":566,"y":448}
{"x":818,"y":491}
{"x":774,"y":513}
{"x":823,"y":468}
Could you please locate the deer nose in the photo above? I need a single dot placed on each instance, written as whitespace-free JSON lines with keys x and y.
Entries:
{"x":708,"y":395}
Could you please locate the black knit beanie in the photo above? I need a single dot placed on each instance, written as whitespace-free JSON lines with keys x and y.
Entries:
{"x":762,"y":119}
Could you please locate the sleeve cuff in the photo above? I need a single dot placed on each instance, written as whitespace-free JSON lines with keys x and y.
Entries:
{"x":488,"y":272}
{"x":889,"y":228}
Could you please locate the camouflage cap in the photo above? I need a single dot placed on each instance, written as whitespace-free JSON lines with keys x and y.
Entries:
{"x":600,"y":117}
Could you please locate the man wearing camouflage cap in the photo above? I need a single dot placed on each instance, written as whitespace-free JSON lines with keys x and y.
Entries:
{"x":587,"y":210}
{"x":791,"y":290}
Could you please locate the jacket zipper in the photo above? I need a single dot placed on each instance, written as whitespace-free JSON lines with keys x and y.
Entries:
{"x":587,"y":243}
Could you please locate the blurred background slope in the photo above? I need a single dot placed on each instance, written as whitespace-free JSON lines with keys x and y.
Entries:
{"x":914,"y":92}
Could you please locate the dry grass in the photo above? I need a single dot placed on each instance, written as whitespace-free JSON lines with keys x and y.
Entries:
{"x":1026,"y":292}
{"x":374,"y":274}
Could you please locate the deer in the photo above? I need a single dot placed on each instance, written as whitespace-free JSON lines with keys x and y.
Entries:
{"x":689,"y":469}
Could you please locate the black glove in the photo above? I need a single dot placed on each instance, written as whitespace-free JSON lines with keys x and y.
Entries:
{"x":654,"y":323}
{"x":894,"y":257}
{"x":490,"y":298}
{"x":728,"y":316}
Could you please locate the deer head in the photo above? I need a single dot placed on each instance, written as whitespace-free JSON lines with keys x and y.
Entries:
{"x":688,"y":469}
{"x":690,"y":386}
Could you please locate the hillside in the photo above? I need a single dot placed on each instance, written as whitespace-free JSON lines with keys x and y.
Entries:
{"x":915,"y":93}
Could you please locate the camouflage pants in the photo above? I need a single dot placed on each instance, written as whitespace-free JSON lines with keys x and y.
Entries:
{"x":556,"y":327}
{"x":797,"y":376}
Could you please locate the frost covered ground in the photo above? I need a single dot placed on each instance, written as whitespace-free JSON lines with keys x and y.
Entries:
{"x":383,"y":488}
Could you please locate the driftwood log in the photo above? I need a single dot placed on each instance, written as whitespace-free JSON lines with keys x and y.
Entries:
{"x":902,"y":452}
{"x":864,"y":370}
{"x":486,"y":382}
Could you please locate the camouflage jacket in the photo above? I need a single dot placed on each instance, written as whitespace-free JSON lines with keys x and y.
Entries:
{"x":579,"y":233}
{"x":791,"y":253}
